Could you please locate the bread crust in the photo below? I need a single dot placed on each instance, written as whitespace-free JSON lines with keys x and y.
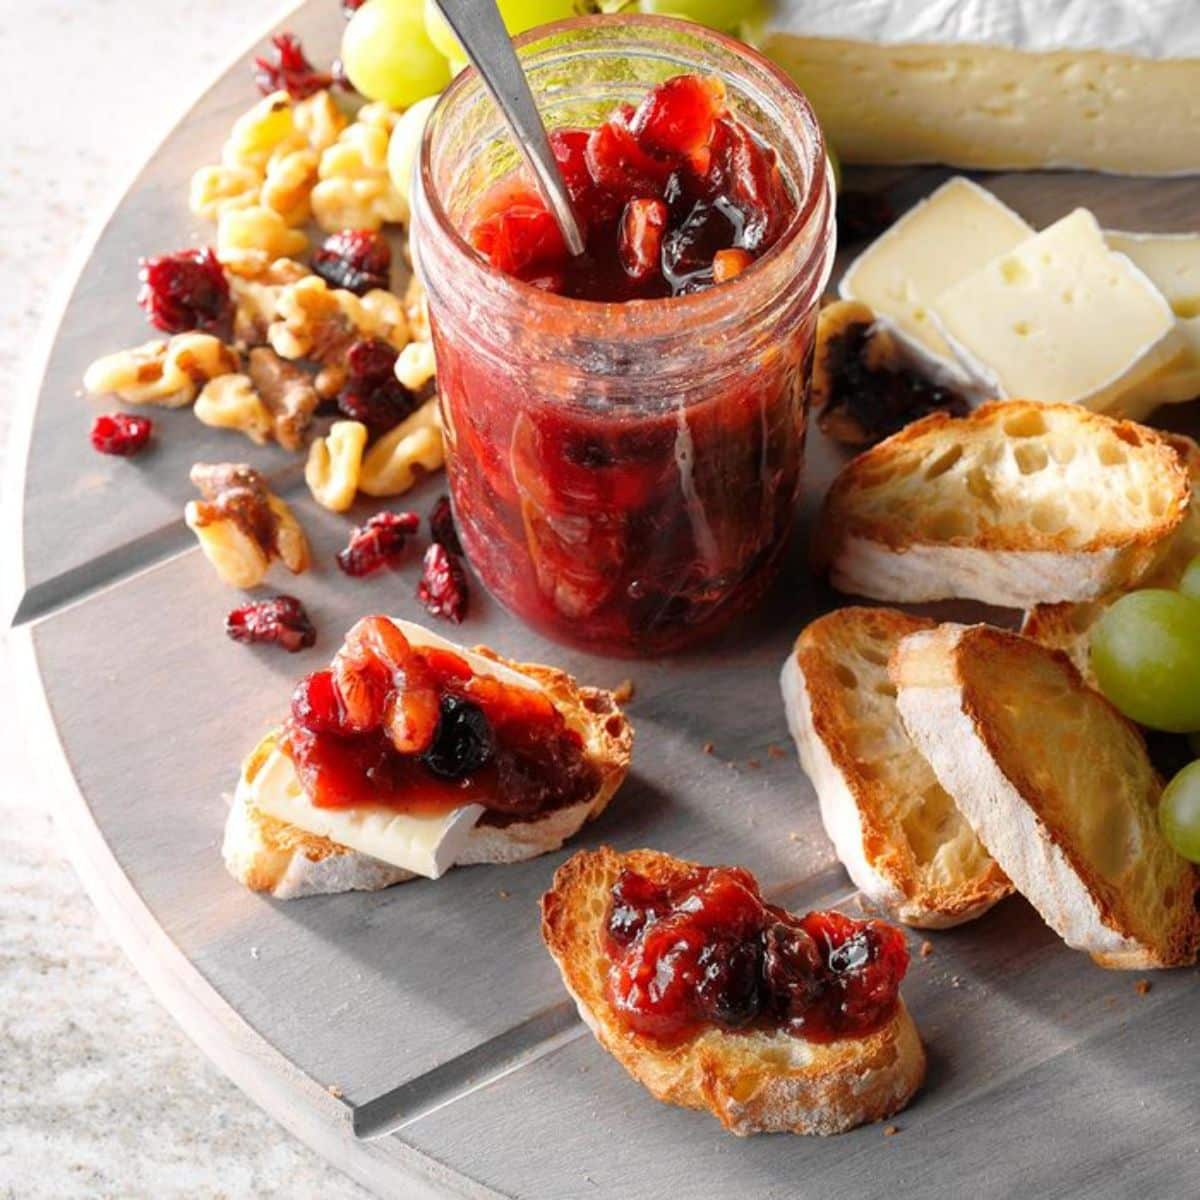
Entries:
{"x":269,"y":855}
{"x":1068,"y":627}
{"x":1011,"y":563}
{"x":864,"y":804}
{"x":752,"y":1082}
{"x":1009,"y":791}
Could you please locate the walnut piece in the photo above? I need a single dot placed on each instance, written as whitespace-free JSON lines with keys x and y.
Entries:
{"x":288,"y":393}
{"x":167,"y":373}
{"x":242,"y":526}
{"x":404,"y":455}
{"x":334,"y":464}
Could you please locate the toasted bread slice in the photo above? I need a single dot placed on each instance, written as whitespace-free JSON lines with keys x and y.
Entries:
{"x":1058,"y":786}
{"x":1017,"y":504}
{"x":270,"y":855}
{"x":1068,"y":627}
{"x":898,"y":834}
{"x":751,"y":1081}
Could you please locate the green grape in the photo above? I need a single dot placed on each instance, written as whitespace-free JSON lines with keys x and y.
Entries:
{"x":519,"y":15}
{"x":726,"y":15}
{"x":389,"y":57}
{"x":1189,"y":585}
{"x":405,"y":145}
{"x":1145,"y":654}
{"x":1179,"y":812}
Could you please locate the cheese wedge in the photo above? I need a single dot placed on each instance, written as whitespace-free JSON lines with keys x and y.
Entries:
{"x":425,"y":845}
{"x":1172,"y":263}
{"x":1061,"y":318}
{"x":951,"y":234}
{"x":1106,"y":85}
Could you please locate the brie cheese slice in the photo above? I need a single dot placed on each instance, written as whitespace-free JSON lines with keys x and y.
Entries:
{"x":947,"y":236}
{"x":426,"y":845}
{"x":1061,"y":318}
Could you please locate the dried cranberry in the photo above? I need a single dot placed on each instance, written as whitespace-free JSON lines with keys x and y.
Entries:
{"x":287,"y":69}
{"x":728,"y":990}
{"x":281,"y":620}
{"x":443,"y":586}
{"x":357,"y":260}
{"x":317,"y":705}
{"x":378,"y":543}
{"x":185,"y":291}
{"x":121,"y":433}
{"x":464,"y":741}
{"x":792,"y":969}
{"x":372,"y":394}
{"x":441,"y":526}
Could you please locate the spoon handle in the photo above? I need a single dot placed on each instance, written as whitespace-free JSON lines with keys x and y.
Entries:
{"x":480,"y":30}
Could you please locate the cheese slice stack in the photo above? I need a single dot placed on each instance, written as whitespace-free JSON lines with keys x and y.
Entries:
{"x":1106,"y":85}
{"x":425,"y":845}
{"x":1069,"y":315}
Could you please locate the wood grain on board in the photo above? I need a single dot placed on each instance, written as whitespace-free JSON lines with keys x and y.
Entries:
{"x":432,"y":1008}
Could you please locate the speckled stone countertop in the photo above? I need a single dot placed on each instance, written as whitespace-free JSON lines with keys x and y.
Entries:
{"x":102,"y":1095}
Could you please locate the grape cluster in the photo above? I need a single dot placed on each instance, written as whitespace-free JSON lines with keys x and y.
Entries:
{"x":1145,"y":654}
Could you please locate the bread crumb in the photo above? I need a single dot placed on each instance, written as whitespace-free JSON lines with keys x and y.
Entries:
{"x":793,"y":837}
{"x":926,"y":949}
{"x":891,"y":1130}
{"x":624,"y":691}
{"x":1142,"y":987}
{"x":708,"y":747}
{"x":753,"y":763}
{"x":504,"y":895}
{"x":254,"y":951}
{"x":335,"y":1091}
{"x":774,"y":751}
{"x":956,"y":981}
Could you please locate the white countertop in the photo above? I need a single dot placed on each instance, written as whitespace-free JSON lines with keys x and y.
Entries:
{"x":102,"y":1094}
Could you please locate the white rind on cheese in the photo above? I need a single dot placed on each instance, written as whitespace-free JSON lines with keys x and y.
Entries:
{"x":950,"y":234}
{"x":1160,"y":29}
{"x":1060,"y":318}
{"x":1104,"y":85}
{"x":1171,"y":261}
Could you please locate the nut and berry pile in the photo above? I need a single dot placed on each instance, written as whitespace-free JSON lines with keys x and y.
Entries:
{"x":258,"y":341}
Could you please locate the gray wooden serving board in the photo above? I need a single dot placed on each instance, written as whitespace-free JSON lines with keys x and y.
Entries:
{"x":420,"y":1037}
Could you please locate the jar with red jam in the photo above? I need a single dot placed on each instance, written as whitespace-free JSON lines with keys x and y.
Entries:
{"x":625,"y":432}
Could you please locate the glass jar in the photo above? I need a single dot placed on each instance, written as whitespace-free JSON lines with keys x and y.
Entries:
{"x":624,"y":475}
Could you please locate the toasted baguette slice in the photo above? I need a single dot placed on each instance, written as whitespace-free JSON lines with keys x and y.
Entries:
{"x":270,"y":855}
{"x":1068,"y":627}
{"x":1017,"y":504}
{"x":898,"y":834}
{"x":752,"y":1082}
{"x":1058,"y":786}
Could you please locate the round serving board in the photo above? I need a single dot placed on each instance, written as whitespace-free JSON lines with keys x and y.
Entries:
{"x":420,"y":1037}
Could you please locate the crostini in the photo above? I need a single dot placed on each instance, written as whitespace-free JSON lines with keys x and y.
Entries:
{"x":1016,"y":504}
{"x":1058,"y":786}
{"x":715,"y":1000}
{"x":899,"y":835}
{"x":412,"y":755}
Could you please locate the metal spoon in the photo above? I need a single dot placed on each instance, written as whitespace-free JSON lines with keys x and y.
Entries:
{"x":480,"y":30}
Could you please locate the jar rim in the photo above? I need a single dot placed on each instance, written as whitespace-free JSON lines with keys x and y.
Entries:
{"x":618,"y":319}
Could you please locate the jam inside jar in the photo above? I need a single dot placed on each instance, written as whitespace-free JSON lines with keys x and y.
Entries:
{"x":624,"y":444}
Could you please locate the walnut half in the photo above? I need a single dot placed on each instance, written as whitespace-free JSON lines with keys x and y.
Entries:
{"x":242,"y":526}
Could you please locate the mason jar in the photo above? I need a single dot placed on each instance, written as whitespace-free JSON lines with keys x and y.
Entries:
{"x":624,"y":476}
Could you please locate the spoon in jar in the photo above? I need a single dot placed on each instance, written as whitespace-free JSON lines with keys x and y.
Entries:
{"x":480,"y":31}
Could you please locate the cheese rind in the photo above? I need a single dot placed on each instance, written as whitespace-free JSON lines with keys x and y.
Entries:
{"x":1060,"y":318}
{"x":947,"y":236}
